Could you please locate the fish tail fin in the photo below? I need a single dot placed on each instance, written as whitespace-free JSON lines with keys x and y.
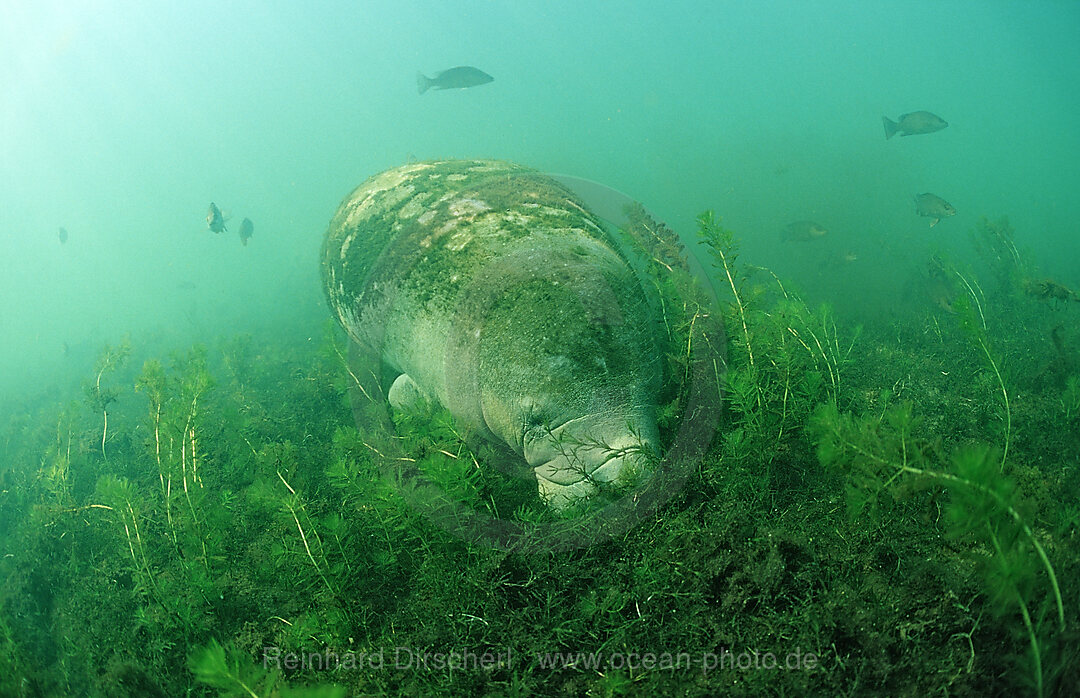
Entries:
{"x":890,"y":127}
{"x":422,"y":82}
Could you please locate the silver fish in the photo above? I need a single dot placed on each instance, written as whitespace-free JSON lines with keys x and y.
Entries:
{"x":913,"y":123}
{"x":933,"y":207}
{"x":455,"y":78}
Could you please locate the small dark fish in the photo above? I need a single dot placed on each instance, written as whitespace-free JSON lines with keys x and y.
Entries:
{"x":1049,"y":290}
{"x":214,"y":220}
{"x":247,"y":228}
{"x":455,"y":78}
{"x":938,"y":287}
{"x":63,"y":235}
{"x":933,"y":207}
{"x":913,"y":124}
{"x":804,"y":230}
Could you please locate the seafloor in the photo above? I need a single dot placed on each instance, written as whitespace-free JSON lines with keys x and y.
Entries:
{"x":891,"y":508}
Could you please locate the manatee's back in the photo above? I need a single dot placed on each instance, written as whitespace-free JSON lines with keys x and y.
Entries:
{"x":419,"y":258}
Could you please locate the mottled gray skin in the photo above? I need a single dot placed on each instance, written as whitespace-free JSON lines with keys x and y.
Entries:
{"x":490,"y":289}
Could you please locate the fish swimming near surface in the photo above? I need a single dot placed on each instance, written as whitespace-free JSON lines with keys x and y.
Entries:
{"x":63,"y":235}
{"x":933,"y":207}
{"x":214,"y":219}
{"x":912,"y":124}
{"x":455,"y":78}
{"x":247,"y":229}
{"x":803,"y":231}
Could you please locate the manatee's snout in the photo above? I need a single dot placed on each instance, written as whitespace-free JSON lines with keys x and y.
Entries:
{"x":576,"y":460}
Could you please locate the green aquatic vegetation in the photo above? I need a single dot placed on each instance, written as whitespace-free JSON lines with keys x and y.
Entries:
{"x":789,"y":358}
{"x":292,"y":504}
{"x":174,"y":420}
{"x":877,"y":455}
{"x":10,"y":676}
{"x":122,"y":498}
{"x":234,"y":675}
{"x":56,"y":466}
{"x":693,"y":342}
{"x":995,"y":243}
{"x":974,"y":327}
{"x":723,"y":246}
{"x":110,"y":359}
{"x":305,"y":532}
{"x":1070,"y":399}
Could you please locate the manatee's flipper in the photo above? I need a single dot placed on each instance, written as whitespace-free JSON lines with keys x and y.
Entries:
{"x":405,"y":395}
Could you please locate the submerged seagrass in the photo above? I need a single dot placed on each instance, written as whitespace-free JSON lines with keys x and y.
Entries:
{"x":491,"y":289}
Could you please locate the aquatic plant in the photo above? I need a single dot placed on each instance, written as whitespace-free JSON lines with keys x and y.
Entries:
{"x":875,"y":454}
{"x":723,"y":246}
{"x":10,"y":677}
{"x":236,"y":676}
{"x":799,"y":360}
{"x":304,"y":531}
{"x":974,"y":327}
{"x":295,"y":503}
{"x":1070,"y":400}
{"x":994,"y":241}
{"x":110,"y":359}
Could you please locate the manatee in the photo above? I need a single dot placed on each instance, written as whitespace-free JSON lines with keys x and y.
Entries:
{"x":492,"y":290}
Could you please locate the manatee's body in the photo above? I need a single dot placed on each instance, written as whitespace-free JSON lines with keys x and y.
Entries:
{"x":489,"y":288}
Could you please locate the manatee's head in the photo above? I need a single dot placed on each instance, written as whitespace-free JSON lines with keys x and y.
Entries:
{"x":558,"y":346}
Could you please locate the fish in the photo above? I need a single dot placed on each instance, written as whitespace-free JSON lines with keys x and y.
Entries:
{"x":455,"y":78}
{"x":938,"y":287}
{"x":804,"y":230}
{"x":1049,"y":290}
{"x":247,"y":228}
{"x":214,"y":220}
{"x":913,"y":123}
{"x":933,"y":207}
{"x":63,"y":235}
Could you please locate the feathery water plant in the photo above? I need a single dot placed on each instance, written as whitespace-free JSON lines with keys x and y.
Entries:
{"x":877,"y":454}
{"x":110,"y":359}
{"x":791,"y":357}
{"x":295,"y":503}
{"x":723,"y":246}
{"x":235,"y":675}
{"x":1070,"y":399}
{"x":976,"y":330}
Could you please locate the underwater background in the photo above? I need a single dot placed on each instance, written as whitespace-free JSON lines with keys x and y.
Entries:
{"x":122,"y":121}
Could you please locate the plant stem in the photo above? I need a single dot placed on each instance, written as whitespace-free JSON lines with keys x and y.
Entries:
{"x":1005,"y":395}
{"x":303,"y":537}
{"x":949,"y":477}
{"x":1032,"y":637}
